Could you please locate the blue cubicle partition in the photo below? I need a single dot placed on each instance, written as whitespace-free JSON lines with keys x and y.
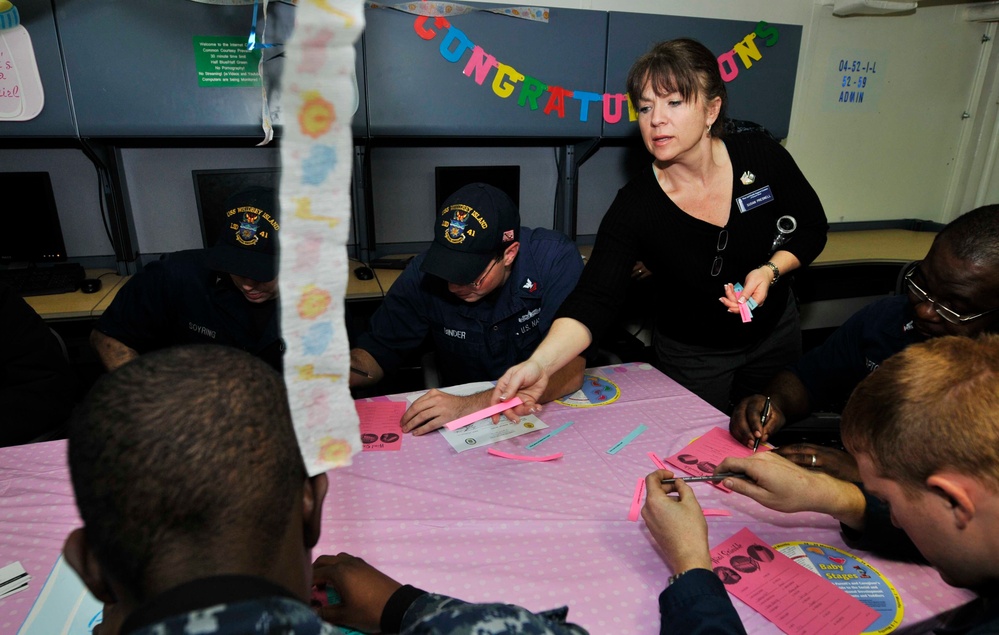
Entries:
{"x":133,"y":67}
{"x":359,"y":121}
{"x":759,"y":60}
{"x":417,"y":84}
{"x":56,"y":118}
{"x":132,"y":71}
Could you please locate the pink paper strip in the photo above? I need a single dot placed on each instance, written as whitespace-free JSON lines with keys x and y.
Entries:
{"x":659,"y":462}
{"x":521,"y":457}
{"x":744,"y":311}
{"x":482,"y":414}
{"x":636,"y":501}
{"x":794,"y":598}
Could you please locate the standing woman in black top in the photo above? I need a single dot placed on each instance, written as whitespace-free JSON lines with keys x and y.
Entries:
{"x":702,"y":216}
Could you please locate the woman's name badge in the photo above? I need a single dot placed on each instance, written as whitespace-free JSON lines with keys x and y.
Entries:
{"x":754,"y":199}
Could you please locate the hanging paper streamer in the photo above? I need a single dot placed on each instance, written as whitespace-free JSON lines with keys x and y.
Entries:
{"x":251,"y":41}
{"x":294,"y":3}
{"x":316,"y":154}
{"x":434,"y":9}
{"x":265,"y":111}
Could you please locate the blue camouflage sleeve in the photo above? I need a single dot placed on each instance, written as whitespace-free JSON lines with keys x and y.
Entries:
{"x":441,"y":615}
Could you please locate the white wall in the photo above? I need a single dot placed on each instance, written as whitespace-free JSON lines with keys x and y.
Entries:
{"x":899,"y":155}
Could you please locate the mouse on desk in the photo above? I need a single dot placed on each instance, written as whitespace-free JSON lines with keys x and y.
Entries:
{"x":90,"y":285}
{"x":364,"y":273}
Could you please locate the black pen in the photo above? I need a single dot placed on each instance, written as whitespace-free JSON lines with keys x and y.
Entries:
{"x":763,"y":423}
{"x":721,"y":476}
{"x":360,"y":372}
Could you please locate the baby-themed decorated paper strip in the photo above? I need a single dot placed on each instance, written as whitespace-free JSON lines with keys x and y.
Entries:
{"x":316,"y":152}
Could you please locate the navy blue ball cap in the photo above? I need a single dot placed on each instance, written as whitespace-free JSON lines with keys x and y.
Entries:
{"x":472,"y":225}
{"x":248,"y":240}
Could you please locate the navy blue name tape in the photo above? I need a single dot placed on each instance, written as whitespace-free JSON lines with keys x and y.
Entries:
{"x":754,"y":199}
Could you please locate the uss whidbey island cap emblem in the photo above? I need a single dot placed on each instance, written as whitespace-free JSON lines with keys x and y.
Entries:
{"x":248,"y":240}
{"x":473,"y":226}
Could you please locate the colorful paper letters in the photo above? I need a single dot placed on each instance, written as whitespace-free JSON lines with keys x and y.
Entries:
{"x":507,"y":80}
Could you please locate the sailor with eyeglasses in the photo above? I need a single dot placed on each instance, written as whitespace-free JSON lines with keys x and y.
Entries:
{"x":485,"y":294}
{"x":954,"y":290}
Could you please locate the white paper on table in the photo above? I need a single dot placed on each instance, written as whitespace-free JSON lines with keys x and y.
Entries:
{"x":13,"y":578}
{"x":483,"y":432}
{"x":64,"y":605}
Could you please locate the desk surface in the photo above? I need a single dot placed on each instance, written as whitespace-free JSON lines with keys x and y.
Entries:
{"x":872,"y":245}
{"x":358,"y":289}
{"x":79,"y":305}
{"x":375,"y":288}
{"x":484,"y":528}
{"x":876,"y":245}
{"x":869,"y":245}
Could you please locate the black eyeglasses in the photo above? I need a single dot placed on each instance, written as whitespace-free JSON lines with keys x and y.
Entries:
{"x":716,"y":265}
{"x":943,"y":311}
{"x":478,"y":283}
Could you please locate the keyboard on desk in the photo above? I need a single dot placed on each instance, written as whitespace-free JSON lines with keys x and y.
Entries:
{"x":390,"y":263}
{"x":48,"y":280}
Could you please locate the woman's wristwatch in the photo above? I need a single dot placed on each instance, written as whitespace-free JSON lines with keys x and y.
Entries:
{"x":774,"y":268}
{"x":673,"y":578}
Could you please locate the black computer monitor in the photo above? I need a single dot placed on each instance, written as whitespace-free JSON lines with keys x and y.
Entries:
{"x":213,"y":187}
{"x":449,"y":179}
{"x":29,"y":222}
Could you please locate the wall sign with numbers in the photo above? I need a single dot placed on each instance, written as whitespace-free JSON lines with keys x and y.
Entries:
{"x":855,"y":80}
{"x":855,"y":77}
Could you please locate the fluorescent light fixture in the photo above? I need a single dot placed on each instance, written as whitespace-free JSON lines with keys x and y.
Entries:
{"x":871,"y":7}
{"x":984,"y":12}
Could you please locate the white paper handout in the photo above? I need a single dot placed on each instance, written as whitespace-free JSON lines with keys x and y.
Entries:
{"x":13,"y":578}
{"x":483,"y":432}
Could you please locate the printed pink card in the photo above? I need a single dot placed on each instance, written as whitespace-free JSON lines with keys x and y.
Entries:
{"x":795,"y":599}
{"x":380,"y":427}
{"x":706,"y":452}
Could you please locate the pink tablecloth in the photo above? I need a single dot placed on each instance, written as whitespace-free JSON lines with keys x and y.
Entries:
{"x":37,"y":510}
{"x":485,"y":528}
